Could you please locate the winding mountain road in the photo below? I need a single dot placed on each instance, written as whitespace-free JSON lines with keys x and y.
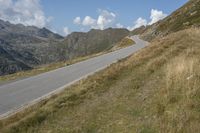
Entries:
{"x":16,"y":95}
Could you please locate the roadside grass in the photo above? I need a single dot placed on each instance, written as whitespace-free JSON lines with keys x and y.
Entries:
{"x":45,"y":68}
{"x":154,"y":90}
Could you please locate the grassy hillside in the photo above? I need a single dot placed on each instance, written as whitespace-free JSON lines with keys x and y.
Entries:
{"x":186,"y":17}
{"x":153,"y":91}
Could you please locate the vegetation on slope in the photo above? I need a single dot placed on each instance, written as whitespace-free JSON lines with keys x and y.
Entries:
{"x":154,"y":90}
{"x":125,"y":42}
{"x":186,"y":17}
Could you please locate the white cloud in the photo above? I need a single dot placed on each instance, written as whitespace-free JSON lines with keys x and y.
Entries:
{"x":5,"y":3}
{"x":88,"y":21}
{"x":77,"y":20}
{"x":27,"y":12}
{"x":49,"y":19}
{"x":156,"y":15}
{"x":118,"y":25}
{"x":104,"y":19}
{"x":138,"y":23}
{"x":66,"y":31}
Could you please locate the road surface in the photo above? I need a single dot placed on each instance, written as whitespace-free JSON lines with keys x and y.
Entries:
{"x":17,"y":95}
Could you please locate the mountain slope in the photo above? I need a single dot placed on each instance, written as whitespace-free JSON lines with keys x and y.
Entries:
{"x":22,"y":47}
{"x":185,"y":17}
{"x":155,"y":90}
{"x":8,"y":30}
{"x":94,"y":41}
{"x":138,"y":31}
{"x":8,"y":63}
{"x":31,"y":46}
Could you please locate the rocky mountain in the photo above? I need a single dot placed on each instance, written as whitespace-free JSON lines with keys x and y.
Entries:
{"x":8,"y":63}
{"x":24,"y":34}
{"x":25,"y":47}
{"x":185,"y":17}
{"x":79,"y":44}
{"x":18,"y":45}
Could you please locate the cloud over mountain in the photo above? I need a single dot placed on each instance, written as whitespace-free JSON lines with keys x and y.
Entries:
{"x":77,"y":20}
{"x":66,"y":31}
{"x":88,"y":21}
{"x":27,"y":12}
{"x":104,"y":20}
{"x":155,"y":16}
{"x":139,"y":22}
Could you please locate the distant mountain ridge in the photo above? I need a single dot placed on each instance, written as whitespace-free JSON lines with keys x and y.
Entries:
{"x":28,"y":30}
{"x":25,"y":47}
{"x":10,"y":31}
{"x":79,"y":43}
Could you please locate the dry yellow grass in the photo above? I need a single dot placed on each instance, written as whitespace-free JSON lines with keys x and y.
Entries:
{"x":176,"y":101}
{"x":154,"y":90}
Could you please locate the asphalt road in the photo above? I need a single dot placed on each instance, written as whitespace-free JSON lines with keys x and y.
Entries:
{"x":14,"y":96}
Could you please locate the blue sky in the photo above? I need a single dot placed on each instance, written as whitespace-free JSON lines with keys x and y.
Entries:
{"x":127,"y":11}
{"x":60,"y":14}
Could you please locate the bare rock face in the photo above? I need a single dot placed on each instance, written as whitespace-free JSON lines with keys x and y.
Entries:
{"x":21,"y":45}
{"x":9,"y":64}
{"x":25,"y":47}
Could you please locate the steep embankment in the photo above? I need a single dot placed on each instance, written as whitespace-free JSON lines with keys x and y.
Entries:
{"x":185,"y":17}
{"x":155,"y":90}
